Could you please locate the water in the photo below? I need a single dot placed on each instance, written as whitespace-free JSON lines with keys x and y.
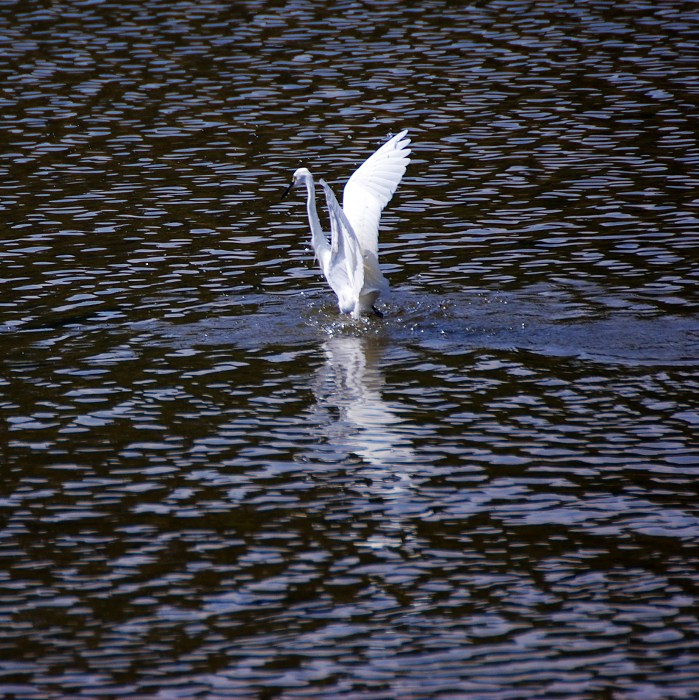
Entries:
{"x":213,"y":486}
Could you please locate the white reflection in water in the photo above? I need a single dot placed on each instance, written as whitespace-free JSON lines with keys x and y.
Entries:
{"x":349,"y":386}
{"x":358,"y":421}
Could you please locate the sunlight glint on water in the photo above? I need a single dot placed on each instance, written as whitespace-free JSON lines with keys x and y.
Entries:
{"x":214,"y":485}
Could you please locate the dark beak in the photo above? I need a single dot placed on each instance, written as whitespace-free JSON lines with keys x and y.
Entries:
{"x":288,"y":189}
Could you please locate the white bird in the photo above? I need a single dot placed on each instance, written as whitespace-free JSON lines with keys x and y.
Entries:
{"x":350,"y":262}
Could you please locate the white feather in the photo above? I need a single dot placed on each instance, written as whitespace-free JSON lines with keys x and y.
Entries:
{"x":350,"y":262}
{"x":371,"y":187}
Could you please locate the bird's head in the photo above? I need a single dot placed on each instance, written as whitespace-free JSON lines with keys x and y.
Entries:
{"x":299,"y":176}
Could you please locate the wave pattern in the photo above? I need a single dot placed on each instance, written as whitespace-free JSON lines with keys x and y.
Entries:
{"x":213,"y":486}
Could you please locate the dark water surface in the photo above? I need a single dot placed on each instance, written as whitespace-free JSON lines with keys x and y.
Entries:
{"x":213,"y":486}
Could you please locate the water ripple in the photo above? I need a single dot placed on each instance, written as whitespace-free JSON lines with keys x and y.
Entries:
{"x":214,"y":485}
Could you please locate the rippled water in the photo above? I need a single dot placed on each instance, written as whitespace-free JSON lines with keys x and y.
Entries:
{"x":213,"y":486}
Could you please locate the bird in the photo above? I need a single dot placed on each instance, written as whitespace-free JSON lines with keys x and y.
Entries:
{"x":350,"y":262}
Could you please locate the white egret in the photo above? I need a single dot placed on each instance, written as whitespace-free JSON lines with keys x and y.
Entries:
{"x":350,"y":262}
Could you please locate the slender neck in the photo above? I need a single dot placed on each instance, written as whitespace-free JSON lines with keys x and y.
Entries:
{"x":318,"y":240}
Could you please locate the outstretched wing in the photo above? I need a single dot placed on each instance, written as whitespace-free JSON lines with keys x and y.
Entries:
{"x":345,"y":273}
{"x":371,"y":187}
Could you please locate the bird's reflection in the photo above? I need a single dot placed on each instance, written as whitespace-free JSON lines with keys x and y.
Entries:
{"x":359,"y":424}
{"x":348,"y":387}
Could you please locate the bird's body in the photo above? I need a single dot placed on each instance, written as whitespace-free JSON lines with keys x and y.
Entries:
{"x":350,"y":262}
